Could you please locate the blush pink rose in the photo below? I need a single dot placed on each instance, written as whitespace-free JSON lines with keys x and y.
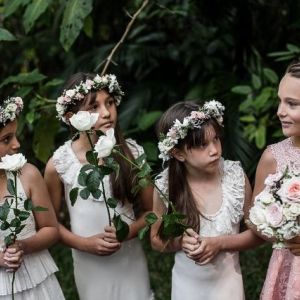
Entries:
{"x":293,"y":191}
{"x":274,"y":215}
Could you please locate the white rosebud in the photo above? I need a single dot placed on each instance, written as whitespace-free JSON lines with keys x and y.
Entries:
{"x":84,"y":120}
{"x":106,"y":143}
{"x":13,"y":162}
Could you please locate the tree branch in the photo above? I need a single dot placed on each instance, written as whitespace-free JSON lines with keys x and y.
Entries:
{"x":110,"y":56}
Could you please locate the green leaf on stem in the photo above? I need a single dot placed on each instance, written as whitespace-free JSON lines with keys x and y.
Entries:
{"x":11,"y":186}
{"x":39,"y":208}
{"x":91,"y":158}
{"x":19,"y":229}
{"x":105,"y":170}
{"x":15,"y":222}
{"x":135,"y":189}
{"x":142,"y":232}
{"x":23,"y":215}
{"x":146,"y":170}
{"x":112,"y":202}
{"x":73,"y":195}
{"x":122,"y":228}
{"x":86,"y":168}
{"x":9,"y":239}
{"x":4,"y":225}
{"x":99,"y":132}
{"x":144,"y":182}
{"x":4,"y":210}
{"x":140,"y":160}
{"x":96,"y":194}
{"x":172,"y":225}
{"x":93,"y":181}
{"x":28,"y":204}
{"x":84,"y":194}
{"x":151,"y":218}
{"x":82,"y":178}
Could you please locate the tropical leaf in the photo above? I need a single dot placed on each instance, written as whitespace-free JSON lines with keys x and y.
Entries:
{"x":10,"y":6}
{"x":73,"y":20}
{"x":5,"y":35}
{"x":33,"y":11}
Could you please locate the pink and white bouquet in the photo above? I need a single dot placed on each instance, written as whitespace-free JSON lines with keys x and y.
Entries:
{"x":276,"y":210}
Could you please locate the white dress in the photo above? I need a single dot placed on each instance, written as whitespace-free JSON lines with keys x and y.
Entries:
{"x":122,"y":275}
{"x":221,"y":279}
{"x":35,"y":279}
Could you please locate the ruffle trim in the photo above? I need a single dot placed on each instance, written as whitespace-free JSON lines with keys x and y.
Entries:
{"x":162,"y":182}
{"x":35,"y":268}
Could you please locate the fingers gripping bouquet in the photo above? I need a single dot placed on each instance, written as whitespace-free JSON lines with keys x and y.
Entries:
{"x":276,"y":210}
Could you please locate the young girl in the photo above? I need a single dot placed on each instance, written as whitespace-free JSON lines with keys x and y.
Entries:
{"x":103,"y":267}
{"x":34,"y":267}
{"x":283,"y":277}
{"x":213,"y":193}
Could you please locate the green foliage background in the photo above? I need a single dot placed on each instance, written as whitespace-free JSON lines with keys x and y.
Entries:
{"x":234,"y":51}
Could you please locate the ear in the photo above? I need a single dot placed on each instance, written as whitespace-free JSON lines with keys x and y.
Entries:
{"x":68,"y":115}
{"x":178,"y":154}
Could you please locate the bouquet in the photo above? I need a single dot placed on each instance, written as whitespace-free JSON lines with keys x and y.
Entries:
{"x":276,"y":210}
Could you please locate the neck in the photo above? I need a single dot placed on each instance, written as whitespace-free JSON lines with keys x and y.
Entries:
{"x":296,"y":141}
{"x":197,"y":175}
{"x":84,"y":141}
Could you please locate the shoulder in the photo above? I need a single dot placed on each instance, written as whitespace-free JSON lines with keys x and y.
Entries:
{"x":62,"y":150}
{"x":267,"y":161}
{"x":30,"y":171}
{"x":232,"y":168}
{"x":136,"y":149}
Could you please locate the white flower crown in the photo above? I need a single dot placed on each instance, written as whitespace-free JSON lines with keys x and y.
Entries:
{"x":10,"y":109}
{"x":211,"y":109}
{"x":98,"y":83}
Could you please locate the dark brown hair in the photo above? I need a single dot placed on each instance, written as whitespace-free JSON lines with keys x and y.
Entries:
{"x":294,"y":69}
{"x":122,"y":184}
{"x":179,"y":190}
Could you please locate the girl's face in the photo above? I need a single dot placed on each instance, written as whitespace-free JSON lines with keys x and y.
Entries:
{"x":204,"y":158}
{"x":289,"y":105}
{"x":9,"y":143}
{"x":105,"y":105}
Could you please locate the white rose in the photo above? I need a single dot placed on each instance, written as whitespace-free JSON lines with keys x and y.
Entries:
{"x":13,"y":162}
{"x":105,"y":143}
{"x":70,"y":93}
{"x":257,"y":216}
{"x":265,"y":197}
{"x":267,"y":231}
{"x":84,"y":120}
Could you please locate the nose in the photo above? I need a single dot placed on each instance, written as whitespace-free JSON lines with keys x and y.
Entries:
{"x":105,"y":113}
{"x":15,"y":144}
{"x":281,"y":111}
{"x":213,"y":150}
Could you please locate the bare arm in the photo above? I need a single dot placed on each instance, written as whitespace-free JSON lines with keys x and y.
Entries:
{"x":157,"y":243}
{"x":94,"y":244}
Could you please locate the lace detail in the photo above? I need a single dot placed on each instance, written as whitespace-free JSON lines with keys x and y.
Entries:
{"x":162,"y":182}
{"x":135,"y":148}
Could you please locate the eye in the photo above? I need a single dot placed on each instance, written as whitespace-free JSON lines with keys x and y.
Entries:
{"x":110,"y":102}
{"x":6,"y":140}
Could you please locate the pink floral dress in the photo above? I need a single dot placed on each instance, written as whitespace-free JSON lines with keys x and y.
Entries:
{"x":283,"y":276}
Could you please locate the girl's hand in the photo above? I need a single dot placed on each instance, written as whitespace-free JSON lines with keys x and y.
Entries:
{"x":13,"y":257}
{"x":294,"y":245}
{"x":207,"y":251}
{"x":190,"y":241}
{"x":97,"y":244}
{"x":110,"y":234}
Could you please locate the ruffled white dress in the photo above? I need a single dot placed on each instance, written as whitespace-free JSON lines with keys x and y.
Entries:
{"x":124,"y":274}
{"x":35,"y":279}
{"x":221,"y":279}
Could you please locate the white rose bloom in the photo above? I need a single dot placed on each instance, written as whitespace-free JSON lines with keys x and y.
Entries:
{"x":267,"y":231}
{"x":70,"y":93}
{"x":13,"y":162}
{"x":265,"y":197}
{"x":106,"y":143}
{"x":257,"y":216}
{"x":84,"y":120}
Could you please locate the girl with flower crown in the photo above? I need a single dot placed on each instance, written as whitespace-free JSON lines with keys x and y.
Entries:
{"x":103,"y":267}
{"x":213,"y":193}
{"x":283,"y":277}
{"x":26,"y":262}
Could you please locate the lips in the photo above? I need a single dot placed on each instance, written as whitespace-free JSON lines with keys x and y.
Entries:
{"x":286,"y":124}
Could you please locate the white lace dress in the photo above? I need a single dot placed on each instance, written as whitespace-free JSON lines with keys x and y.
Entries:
{"x":35,"y":279}
{"x":124,"y":274}
{"x":221,"y":279}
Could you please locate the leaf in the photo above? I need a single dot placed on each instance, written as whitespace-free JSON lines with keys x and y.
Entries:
{"x":293,"y":48}
{"x":241,"y":89}
{"x":88,"y":27}
{"x":4,"y":211}
{"x":82,"y":177}
{"x":86,"y":168}
{"x":10,"y":6}
{"x":28,"y":204}
{"x":8,"y":240}
{"x":93,"y":181}
{"x":260,"y":137}
{"x":19,"y":229}
{"x":122,"y":228}
{"x":96,"y":194}
{"x":112,"y":202}
{"x":148,"y":119}
{"x":11,"y":187}
{"x":151,"y":218}
{"x":24,"y":78}
{"x":15,"y":222}
{"x":23,"y":215}
{"x":73,"y":195}
{"x":270,"y":75}
{"x":142,"y":232}
{"x":144,"y":182}
{"x":256,"y":82}
{"x":84,"y":194}
{"x":33,"y":11}
{"x":248,"y":118}
{"x":75,"y":13}
{"x":146,"y":170}
{"x":141,"y":159}
{"x":91,"y":157}
{"x":5,"y":35}
{"x":4,"y":225}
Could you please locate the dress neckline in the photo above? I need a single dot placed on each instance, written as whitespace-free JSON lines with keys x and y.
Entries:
{"x":292,"y":146}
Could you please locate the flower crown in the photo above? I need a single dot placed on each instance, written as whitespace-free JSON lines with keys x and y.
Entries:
{"x":98,"y":83}
{"x":10,"y":109}
{"x":211,"y":109}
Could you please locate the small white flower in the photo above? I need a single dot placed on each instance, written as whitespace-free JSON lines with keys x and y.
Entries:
{"x":84,"y":120}
{"x":70,"y":93}
{"x":105,"y":144}
{"x":257,"y":215}
{"x":13,"y":162}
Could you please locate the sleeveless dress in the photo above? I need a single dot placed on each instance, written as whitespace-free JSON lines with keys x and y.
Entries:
{"x":122,"y":275}
{"x":35,"y":279}
{"x":283,"y":276}
{"x":220,"y":279}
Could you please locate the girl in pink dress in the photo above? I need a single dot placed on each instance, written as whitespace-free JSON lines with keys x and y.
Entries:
{"x":283,"y":276}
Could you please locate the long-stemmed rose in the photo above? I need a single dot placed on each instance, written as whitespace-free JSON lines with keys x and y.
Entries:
{"x":13,"y":164}
{"x":84,"y":120}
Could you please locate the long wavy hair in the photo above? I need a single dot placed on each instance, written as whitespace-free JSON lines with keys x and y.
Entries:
{"x":122,"y":184}
{"x":179,"y":190}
